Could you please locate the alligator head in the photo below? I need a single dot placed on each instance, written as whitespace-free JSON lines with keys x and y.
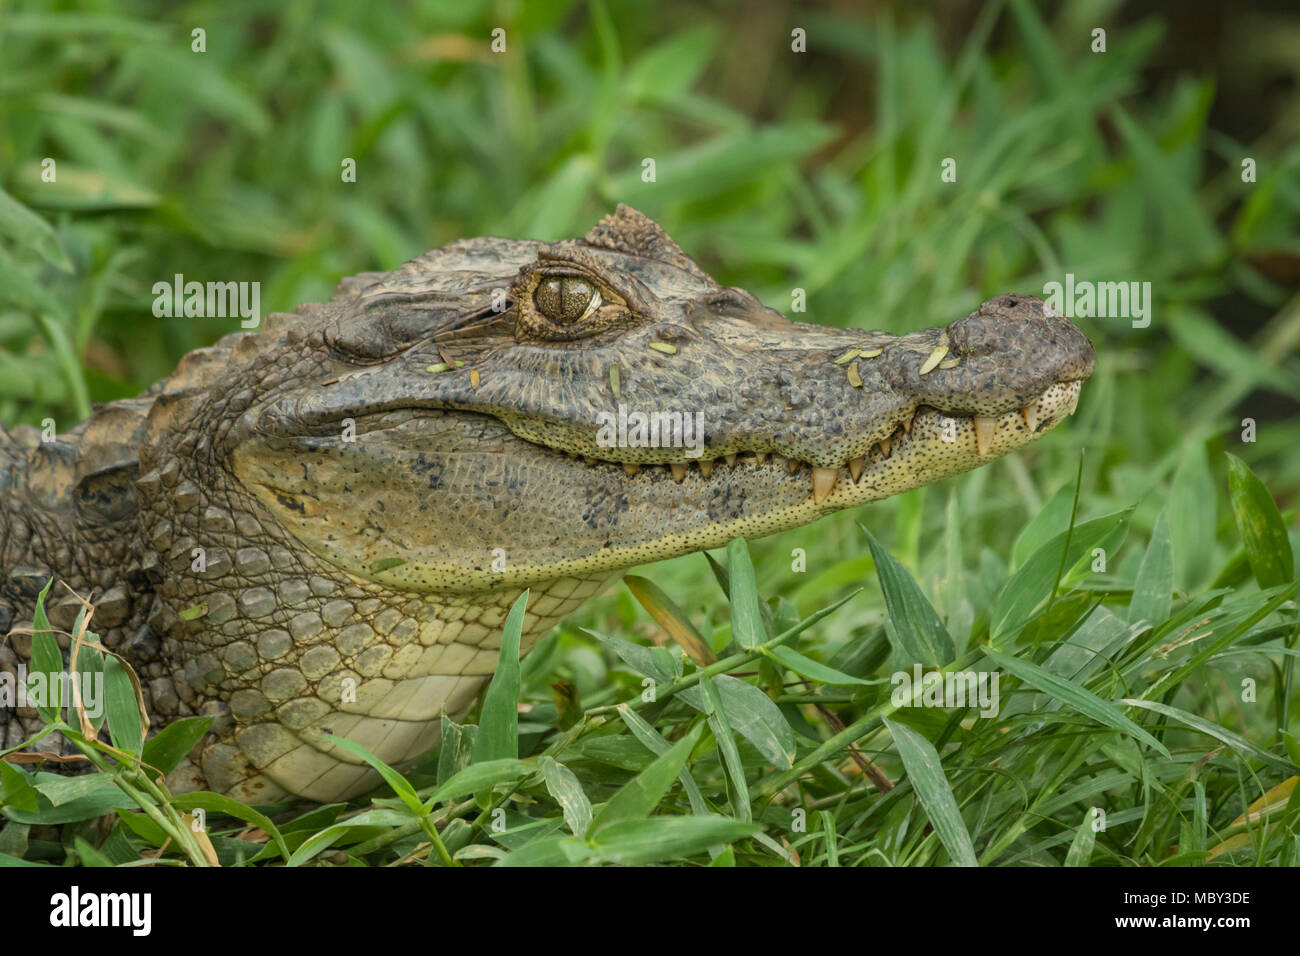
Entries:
{"x":525,"y":409}
{"x":316,"y":529}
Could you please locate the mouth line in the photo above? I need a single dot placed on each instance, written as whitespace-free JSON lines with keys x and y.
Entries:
{"x":900,"y":441}
{"x":826,"y":478}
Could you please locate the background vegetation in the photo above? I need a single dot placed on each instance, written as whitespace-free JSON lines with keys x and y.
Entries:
{"x":777,"y":170}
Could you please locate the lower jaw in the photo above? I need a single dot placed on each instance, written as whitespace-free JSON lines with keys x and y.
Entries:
{"x":647,"y":515}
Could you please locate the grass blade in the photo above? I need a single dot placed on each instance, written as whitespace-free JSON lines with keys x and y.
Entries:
{"x":1084,"y":701}
{"x":498,"y":726}
{"x":1268,"y":549}
{"x":922,"y":635}
{"x":746,"y":612}
{"x":925,"y":771}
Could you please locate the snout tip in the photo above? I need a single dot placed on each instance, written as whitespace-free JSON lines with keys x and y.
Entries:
{"x":1028,"y":329}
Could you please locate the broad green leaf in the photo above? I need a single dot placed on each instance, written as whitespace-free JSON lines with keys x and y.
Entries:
{"x":1268,"y":548}
{"x":1085,"y":838}
{"x":746,"y":614}
{"x":95,"y":803}
{"x":16,"y":789}
{"x":721,"y":727}
{"x":480,"y":776}
{"x":641,"y":842}
{"x":498,"y":725}
{"x":653,"y":741}
{"x":1033,"y":583}
{"x":1052,"y":519}
{"x":925,"y":771}
{"x":60,"y":790}
{"x":457,"y":747}
{"x":640,"y":795}
{"x":123,"y":706}
{"x":807,"y":667}
{"x":1082,"y":700}
{"x":89,"y":855}
{"x":47,"y":661}
{"x":640,"y":659}
{"x":752,"y":714}
{"x":565,"y":789}
{"x":920,"y":633}
{"x":1153,"y":588}
{"x":166,"y":749}
{"x":552,"y":851}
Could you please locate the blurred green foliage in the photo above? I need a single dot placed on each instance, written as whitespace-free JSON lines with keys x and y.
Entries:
{"x":777,"y":170}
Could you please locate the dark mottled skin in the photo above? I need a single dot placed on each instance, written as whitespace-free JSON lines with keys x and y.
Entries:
{"x":366,"y":512}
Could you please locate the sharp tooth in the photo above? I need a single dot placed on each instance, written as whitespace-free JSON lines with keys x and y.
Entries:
{"x":729,"y":459}
{"x":706,"y":468}
{"x":792,"y":465}
{"x":760,"y":457}
{"x":907,"y":425}
{"x":778,"y":461}
{"x":985,"y":429}
{"x":855,"y":468}
{"x":886,"y":446}
{"x":1030,"y":414}
{"x":679,"y":471}
{"x":824,"y":483}
{"x":630,"y":469}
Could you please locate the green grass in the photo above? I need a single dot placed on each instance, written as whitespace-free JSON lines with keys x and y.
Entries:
{"x":226,"y":164}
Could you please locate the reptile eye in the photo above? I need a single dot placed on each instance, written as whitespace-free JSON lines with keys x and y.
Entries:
{"x":566,"y":299}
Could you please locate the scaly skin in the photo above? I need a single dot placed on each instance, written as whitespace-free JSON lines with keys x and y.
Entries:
{"x":373,"y":481}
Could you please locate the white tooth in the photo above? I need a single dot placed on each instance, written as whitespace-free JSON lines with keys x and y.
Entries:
{"x":1030,"y":414}
{"x":985,"y":429}
{"x":823,"y":480}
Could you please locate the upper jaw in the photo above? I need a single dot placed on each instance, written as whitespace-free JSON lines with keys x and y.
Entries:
{"x":826,"y":397}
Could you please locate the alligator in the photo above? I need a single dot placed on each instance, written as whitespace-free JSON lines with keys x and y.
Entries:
{"x":318,"y":527}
